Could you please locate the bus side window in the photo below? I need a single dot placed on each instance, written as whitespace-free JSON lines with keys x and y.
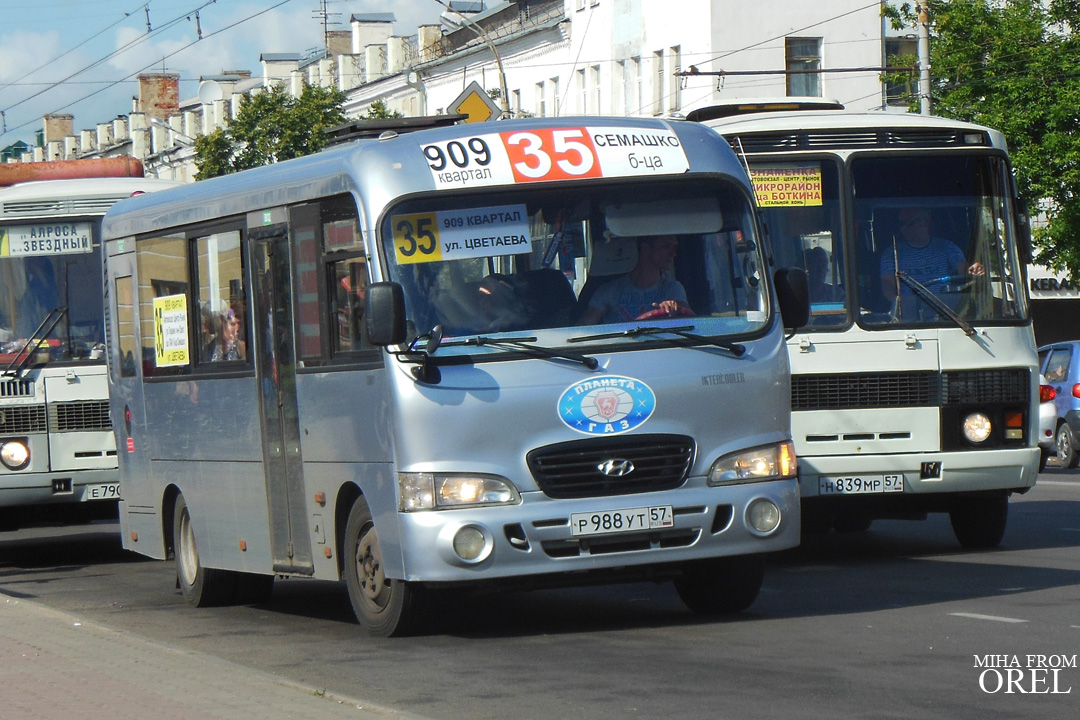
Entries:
{"x":125,"y":327}
{"x":163,"y":273}
{"x":221,"y":298}
{"x":349,"y":280}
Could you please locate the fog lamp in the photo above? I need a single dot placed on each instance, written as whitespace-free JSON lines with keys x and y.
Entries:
{"x":15,"y":454}
{"x":977,"y":428}
{"x":763,"y":516}
{"x":470,"y":544}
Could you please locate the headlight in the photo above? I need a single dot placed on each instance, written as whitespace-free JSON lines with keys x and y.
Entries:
{"x":429,"y":491}
{"x":769,"y":462}
{"x":15,"y":454}
{"x":977,"y":428}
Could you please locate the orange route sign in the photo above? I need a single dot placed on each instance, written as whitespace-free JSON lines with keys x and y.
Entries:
{"x":786,"y":185}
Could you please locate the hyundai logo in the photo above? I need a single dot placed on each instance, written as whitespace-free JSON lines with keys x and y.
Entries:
{"x":616,"y":467}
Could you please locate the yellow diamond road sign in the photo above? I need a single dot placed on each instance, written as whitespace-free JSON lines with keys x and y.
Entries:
{"x":475,"y":103}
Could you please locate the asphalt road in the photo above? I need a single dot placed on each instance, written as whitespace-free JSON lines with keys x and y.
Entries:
{"x":891,"y":623}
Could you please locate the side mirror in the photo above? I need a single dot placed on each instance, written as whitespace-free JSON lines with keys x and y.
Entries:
{"x":1023,"y":231}
{"x":793,"y":294}
{"x":384,"y":313}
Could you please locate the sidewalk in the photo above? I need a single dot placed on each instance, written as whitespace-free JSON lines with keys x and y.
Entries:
{"x":54,"y":666}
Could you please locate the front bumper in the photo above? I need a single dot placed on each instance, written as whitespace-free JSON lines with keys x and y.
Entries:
{"x":534,"y":537}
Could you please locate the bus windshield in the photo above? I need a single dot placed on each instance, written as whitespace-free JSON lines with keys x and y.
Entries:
{"x":934,"y":243}
{"x":541,"y":262}
{"x":36,"y":288}
{"x":935,"y":234}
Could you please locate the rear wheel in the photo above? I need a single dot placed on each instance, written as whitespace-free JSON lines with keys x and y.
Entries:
{"x":1067,"y":455}
{"x":201,"y":586}
{"x":383,"y":606}
{"x":979,"y":522}
{"x":721,"y":586}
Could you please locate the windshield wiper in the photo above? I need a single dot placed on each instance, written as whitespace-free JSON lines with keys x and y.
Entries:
{"x":525,"y":343}
{"x":35,"y":341}
{"x":736,"y":349}
{"x":939,"y":306}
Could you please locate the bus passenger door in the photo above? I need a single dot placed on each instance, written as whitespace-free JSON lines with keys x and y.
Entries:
{"x":275,"y":367}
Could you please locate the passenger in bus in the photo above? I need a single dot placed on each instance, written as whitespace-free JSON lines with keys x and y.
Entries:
{"x":227,"y":342}
{"x":645,"y":291}
{"x":932,"y":261}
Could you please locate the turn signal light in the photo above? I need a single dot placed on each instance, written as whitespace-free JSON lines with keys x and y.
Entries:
{"x":1076,"y":390}
{"x":1048,"y":393}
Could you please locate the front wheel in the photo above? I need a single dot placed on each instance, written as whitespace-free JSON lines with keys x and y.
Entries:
{"x":1067,"y":455}
{"x":201,"y":586}
{"x":383,"y":606}
{"x":721,"y":586}
{"x":979,"y":522}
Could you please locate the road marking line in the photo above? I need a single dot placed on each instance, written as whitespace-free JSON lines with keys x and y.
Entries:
{"x":995,"y":618}
{"x":1059,"y":483}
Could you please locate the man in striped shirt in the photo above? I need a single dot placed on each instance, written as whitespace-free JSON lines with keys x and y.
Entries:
{"x":932,"y":261}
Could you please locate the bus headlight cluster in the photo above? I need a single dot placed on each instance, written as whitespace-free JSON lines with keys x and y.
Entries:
{"x":441,"y":491}
{"x":15,"y":454}
{"x":768,"y":462}
{"x":977,"y":428}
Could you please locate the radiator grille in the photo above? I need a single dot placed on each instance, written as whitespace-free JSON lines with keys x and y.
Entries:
{"x":969,"y":386}
{"x":16,"y":388}
{"x":836,"y":391}
{"x":84,"y":415}
{"x":22,"y":419}
{"x":572,"y":469}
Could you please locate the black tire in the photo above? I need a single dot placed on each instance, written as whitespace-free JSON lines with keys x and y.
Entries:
{"x":979,"y":522}
{"x":201,"y":586}
{"x":384,"y":607}
{"x":722,"y":586}
{"x":1067,"y":455}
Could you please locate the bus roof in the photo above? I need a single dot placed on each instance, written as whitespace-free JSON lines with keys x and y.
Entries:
{"x":381,"y":170}
{"x":824,"y":120}
{"x":83,"y":196}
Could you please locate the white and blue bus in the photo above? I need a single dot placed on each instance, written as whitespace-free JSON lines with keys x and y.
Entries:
{"x":57,"y":449}
{"x":396,"y":363}
{"x":915,"y":381}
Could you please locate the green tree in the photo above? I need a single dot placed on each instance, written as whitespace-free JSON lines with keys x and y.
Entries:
{"x":270,"y":126}
{"x":1014,"y":65}
{"x":378,"y":110}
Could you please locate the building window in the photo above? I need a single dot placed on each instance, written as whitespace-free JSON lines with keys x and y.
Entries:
{"x":803,"y":57}
{"x":583,"y":92}
{"x":541,"y":100}
{"x":902,"y":54}
{"x":676,"y":82}
{"x":594,"y":78}
{"x":634,"y":96}
{"x":515,"y":101}
{"x":658,"y":84}
{"x":556,"y":100}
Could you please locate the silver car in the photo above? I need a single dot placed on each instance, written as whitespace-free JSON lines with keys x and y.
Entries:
{"x":1047,"y":422}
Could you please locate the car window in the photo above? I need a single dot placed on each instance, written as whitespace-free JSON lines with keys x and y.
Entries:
{"x":1057,"y":367}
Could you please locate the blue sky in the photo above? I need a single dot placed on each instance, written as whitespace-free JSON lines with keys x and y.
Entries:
{"x":75,"y":56}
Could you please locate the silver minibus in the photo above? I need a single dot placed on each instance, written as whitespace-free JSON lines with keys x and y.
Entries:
{"x":530,"y":353}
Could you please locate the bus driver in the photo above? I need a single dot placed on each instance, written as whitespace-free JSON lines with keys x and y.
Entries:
{"x":644,"y":289}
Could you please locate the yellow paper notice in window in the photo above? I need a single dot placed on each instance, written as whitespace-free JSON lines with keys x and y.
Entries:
{"x":787,"y":185}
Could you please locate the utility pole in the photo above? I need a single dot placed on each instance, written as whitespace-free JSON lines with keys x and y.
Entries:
{"x":923,"y":11}
{"x":504,"y":101}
